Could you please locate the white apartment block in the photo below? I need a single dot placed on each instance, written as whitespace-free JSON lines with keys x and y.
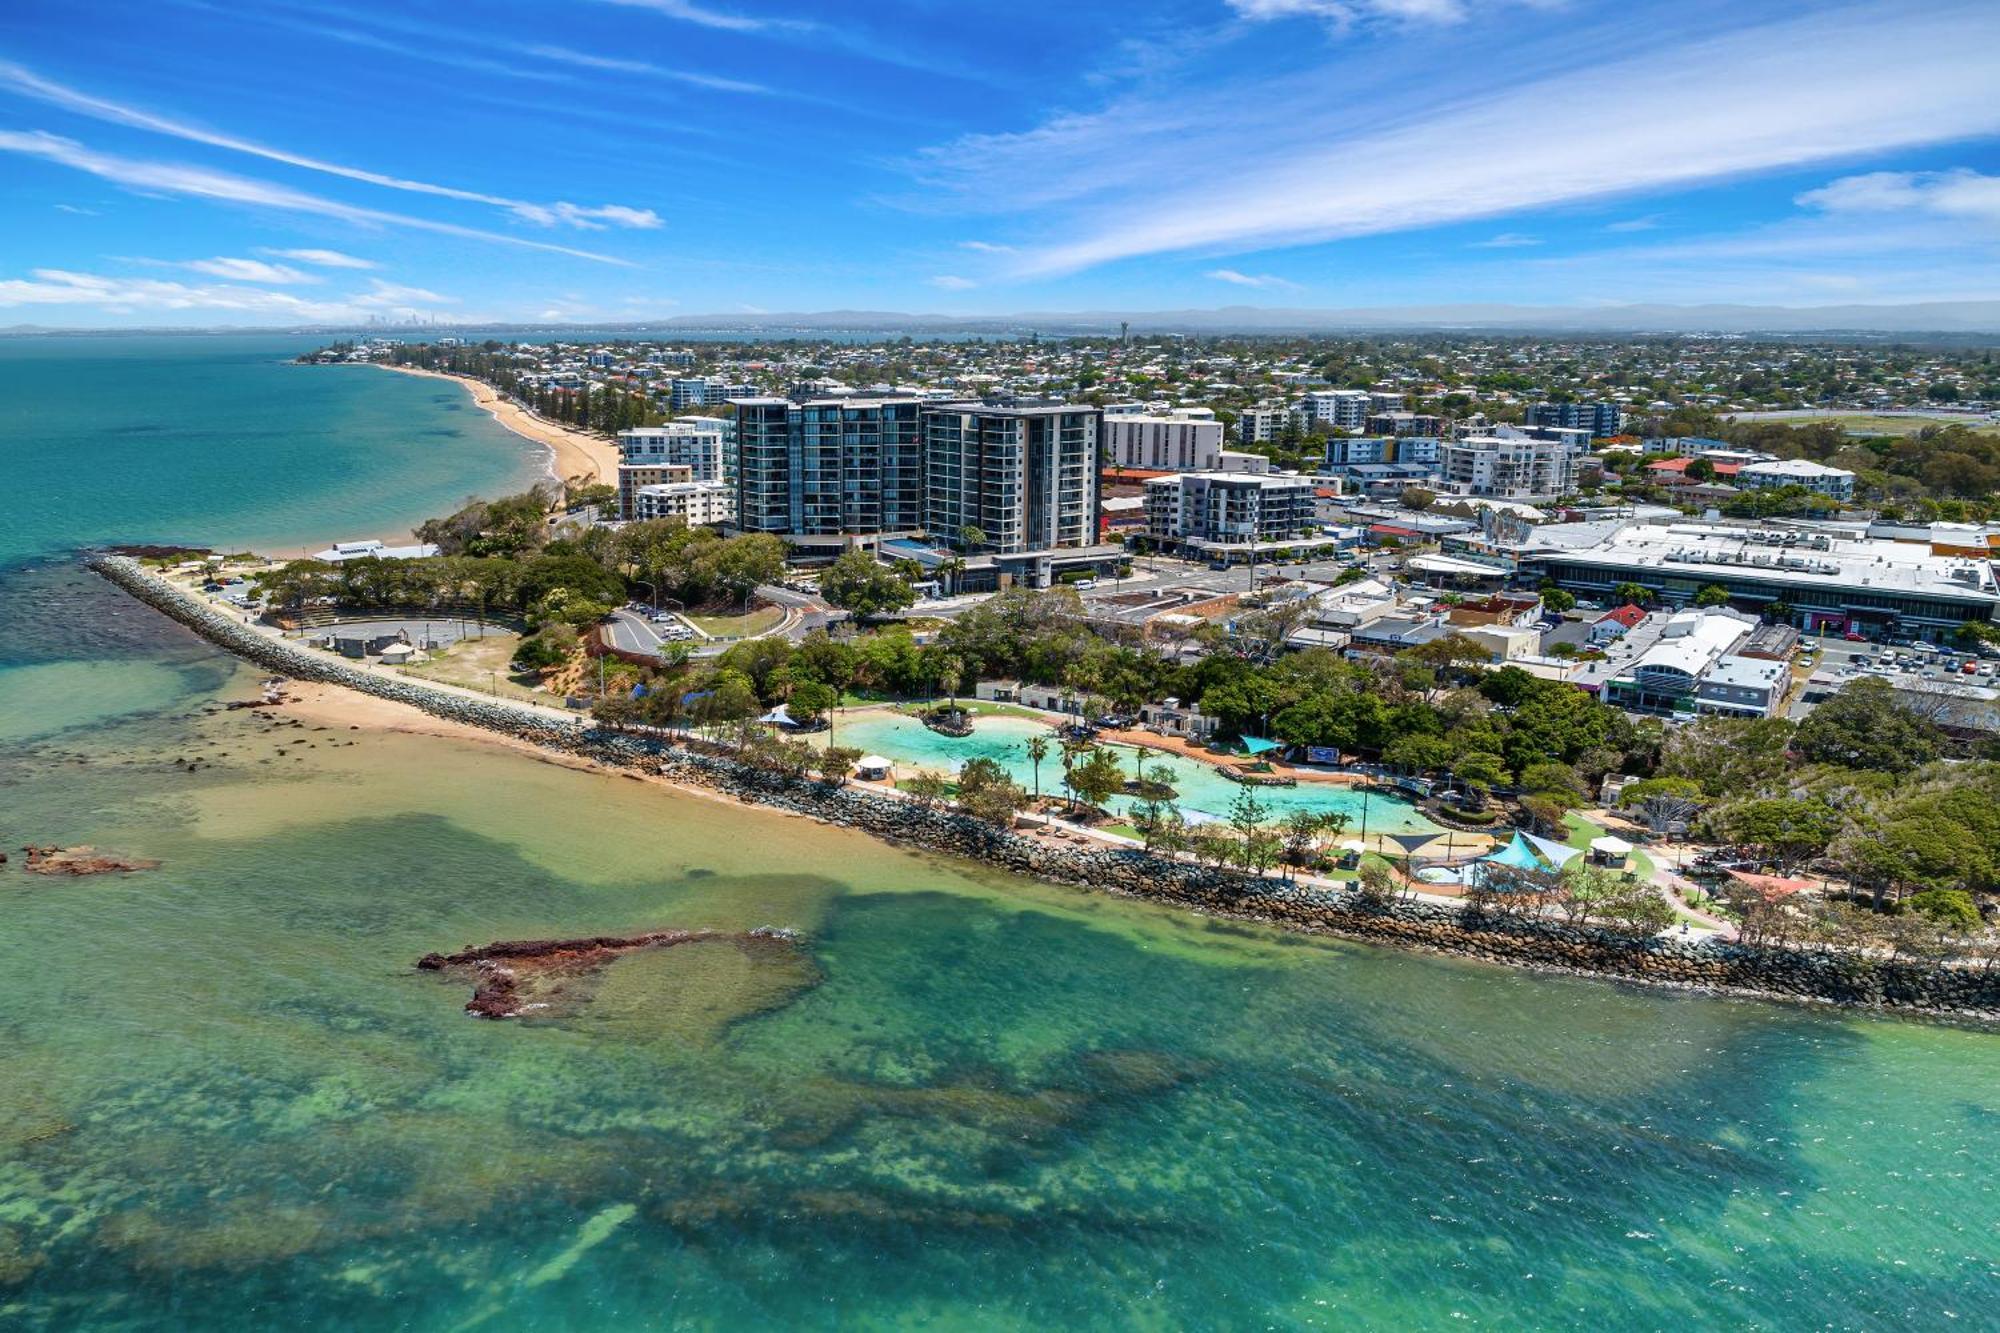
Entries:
{"x":680,"y":451}
{"x":697,"y":503}
{"x":1163,"y":444}
{"x":1336,"y":409}
{"x":1508,"y":467}
{"x":1837,"y":483}
{"x":1261,"y":425}
{"x":1214,"y":510}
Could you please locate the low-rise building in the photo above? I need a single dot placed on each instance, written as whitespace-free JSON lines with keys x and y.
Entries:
{"x":1666,"y":677}
{"x":1833,"y":482}
{"x":1820,"y":581}
{"x":1600,"y":419}
{"x":1261,"y":424}
{"x":1405,"y":424}
{"x":1212,"y":514}
{"x":1336,"y":409}
{"x":342,"y":552}
{"x":1743,"y":686}
{"x":696,"y":503}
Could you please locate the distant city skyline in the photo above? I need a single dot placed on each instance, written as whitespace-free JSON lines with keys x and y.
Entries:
{"x":618,"y":161}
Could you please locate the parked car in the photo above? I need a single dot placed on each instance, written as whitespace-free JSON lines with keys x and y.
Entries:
{"x":1853,"y":637}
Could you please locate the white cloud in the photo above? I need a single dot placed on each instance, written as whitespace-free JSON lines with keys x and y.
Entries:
{"x":80,"y":212}
{"x":1648,"y":223}
{"x":951,"y":282}
{"x":1264,"y":281}
{"x":986,"y":247}
{"x":323,"y":258}
{"x":1345,"y":13}
{"x":699,"y":15}
{"x":29,"y":84}
{"x":169,"y":178}
{"x":1506,"y":240}
{"x":388,"y":294}
{"x":248,"y":270}
{"x":1312,"y":161}
{"x":620,"y":65}
{"x":125,"y":296}
{"x":589,"y":219}
{"x":1961,"y":194}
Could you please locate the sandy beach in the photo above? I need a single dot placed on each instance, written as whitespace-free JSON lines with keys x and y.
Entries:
{"x":578,"y":454}
{"x":339,"y":707}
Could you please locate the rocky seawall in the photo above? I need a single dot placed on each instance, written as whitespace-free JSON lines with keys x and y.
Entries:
{"x":1839,"y":978}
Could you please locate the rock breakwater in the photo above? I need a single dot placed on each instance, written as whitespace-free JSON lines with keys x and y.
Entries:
{"x":1828,"y":976}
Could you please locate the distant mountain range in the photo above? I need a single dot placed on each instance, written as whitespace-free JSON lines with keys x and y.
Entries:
{"x":1937,"y":317}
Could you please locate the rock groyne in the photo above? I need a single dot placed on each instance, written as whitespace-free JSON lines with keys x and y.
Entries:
{"x":1827,"y":976}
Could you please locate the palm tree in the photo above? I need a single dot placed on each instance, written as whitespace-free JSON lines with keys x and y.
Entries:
{"x":948,"y":572}
{"x":1038,"y":750}
{"x":1073,"y":748}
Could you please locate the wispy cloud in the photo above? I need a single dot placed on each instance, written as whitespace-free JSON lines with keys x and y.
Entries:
{"x":704,"y":17}
{"x":248,"y":270}
{"x":951,"y":282}
{"x":1650,"y":222}
{"x":27,"y":83}
{"x":1263,"y":281}
{"x":169,"y":178}
{"x":986,"y":248}
{"x":1506,"y":240}
{"x":126,"y":295}
{"x":622,"y":65}
{"x":1347,"y":13}
{"x":1962,"y":193}
{"x":1310,"y":162}
{"x":323,"y":258}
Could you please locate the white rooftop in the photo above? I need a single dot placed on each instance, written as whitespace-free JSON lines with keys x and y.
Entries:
{"x":1793,"y":467}
{"x":1706,"y":550}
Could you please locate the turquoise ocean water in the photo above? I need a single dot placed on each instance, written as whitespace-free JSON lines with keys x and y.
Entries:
{"x":227,"y":1100}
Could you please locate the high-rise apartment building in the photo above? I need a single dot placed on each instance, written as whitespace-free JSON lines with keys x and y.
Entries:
{"x":1024,"y":476}
{"x":829,"y":467}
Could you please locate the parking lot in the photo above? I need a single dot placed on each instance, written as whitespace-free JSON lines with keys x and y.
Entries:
{"x":1904,"y":665}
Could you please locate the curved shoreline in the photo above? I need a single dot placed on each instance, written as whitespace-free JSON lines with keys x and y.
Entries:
{"x":574,"y":454}
{"x":1917,"y":988}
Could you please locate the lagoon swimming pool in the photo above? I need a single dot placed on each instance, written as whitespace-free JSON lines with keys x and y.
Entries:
{"x":1204,"y":792}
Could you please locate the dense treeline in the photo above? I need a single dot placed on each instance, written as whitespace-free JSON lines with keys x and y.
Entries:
{"x":508,"y":556}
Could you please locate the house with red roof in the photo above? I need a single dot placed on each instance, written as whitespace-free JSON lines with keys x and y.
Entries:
{"x":1616,"y":624}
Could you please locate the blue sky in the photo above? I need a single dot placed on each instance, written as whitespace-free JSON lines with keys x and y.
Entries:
{"x":195,"y":162}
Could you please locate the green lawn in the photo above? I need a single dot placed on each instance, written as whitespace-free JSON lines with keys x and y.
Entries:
{"x":739,"y":625}
{"x":1582,"y":831}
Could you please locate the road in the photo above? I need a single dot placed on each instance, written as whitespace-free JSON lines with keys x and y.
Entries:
{"x":630,"y":631}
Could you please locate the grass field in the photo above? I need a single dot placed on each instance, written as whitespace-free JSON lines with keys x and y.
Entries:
{"x":1887,"y":425}
{"x":481,"y":664}
{"x":755,"y":621}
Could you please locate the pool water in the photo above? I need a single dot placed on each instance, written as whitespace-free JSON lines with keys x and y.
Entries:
{"x":1203,"y":791}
